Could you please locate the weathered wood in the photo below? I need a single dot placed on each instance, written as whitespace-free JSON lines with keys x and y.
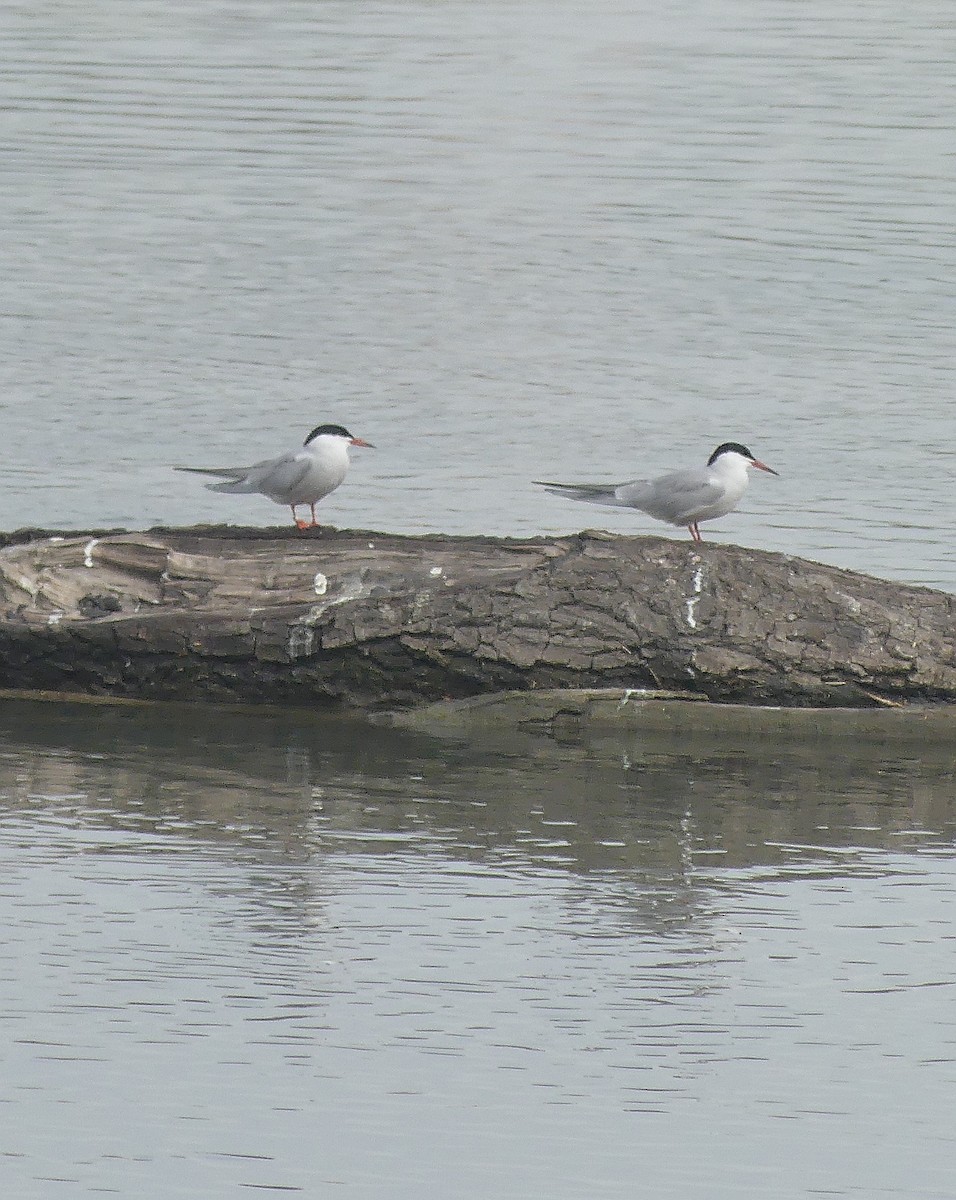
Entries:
{"x":376,"y":620}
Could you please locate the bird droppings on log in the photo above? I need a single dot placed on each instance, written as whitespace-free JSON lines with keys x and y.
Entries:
{"x":332,"y":618}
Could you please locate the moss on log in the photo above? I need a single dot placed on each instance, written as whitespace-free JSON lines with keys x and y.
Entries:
{"x":374,"y":620}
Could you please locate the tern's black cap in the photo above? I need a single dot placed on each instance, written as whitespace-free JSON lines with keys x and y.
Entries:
{"x":728,"y":447}
{"x":339,"y":430}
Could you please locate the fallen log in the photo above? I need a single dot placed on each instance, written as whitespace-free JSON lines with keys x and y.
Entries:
{"x":371,"y":620}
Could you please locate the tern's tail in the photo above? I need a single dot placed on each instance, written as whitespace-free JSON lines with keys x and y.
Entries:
{"x":592,"y":493}
{"x":234,"y":478}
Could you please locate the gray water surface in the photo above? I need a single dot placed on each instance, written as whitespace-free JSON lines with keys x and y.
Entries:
{"x":502,"y":241}
{"x":252,"y":952}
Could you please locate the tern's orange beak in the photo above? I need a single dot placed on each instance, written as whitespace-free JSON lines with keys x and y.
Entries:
{"x":369,"y":446}
{"x":755,"y":462}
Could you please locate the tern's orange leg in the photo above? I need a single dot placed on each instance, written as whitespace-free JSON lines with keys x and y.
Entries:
{"x":298,"y":524}
{"x":315,"y":523}
{"x":695,"y":532}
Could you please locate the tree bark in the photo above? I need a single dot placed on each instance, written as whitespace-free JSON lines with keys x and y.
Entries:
{"x":375,"y":620}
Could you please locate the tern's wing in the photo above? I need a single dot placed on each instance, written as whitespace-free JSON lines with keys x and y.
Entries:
{"x":276,"y":476}
{"x":679,"y":497}
{"x":271,"y":476}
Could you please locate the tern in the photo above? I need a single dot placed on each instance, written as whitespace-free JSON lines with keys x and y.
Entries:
{"x":295,"y":478}
{"x":681,"y":497}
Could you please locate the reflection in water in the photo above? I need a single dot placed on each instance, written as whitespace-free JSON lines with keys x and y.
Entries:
{"x":302,"y":784}
{"x":260,"y":950}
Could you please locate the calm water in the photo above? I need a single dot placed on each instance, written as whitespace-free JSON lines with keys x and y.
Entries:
{"x":503,"y":241}
{"x":304,"y":958}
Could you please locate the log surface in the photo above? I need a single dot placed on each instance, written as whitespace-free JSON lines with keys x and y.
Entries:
{"x":381,"y":621}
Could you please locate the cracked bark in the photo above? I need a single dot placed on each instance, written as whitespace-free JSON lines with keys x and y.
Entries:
{"x":374,"y":620}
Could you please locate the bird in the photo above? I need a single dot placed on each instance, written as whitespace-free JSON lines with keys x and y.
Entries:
{"x":295,"y":478}
{"x":683,"y":497}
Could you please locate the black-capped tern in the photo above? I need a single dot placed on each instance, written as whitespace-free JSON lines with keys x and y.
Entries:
{"x":681,"y":497}
{"x":295,"y":478}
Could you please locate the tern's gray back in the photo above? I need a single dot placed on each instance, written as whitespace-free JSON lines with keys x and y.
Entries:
{"x":678,"y":497}
{"x":278,"y":476}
